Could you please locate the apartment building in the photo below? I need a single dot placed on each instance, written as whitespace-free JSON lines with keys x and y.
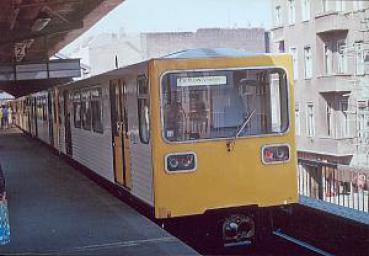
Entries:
{"x":329,"y":43}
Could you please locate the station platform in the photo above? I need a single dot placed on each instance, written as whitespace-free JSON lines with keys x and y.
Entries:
{"x":56,"y":210}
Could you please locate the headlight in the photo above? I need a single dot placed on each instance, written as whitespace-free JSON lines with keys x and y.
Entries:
{"x":180,"y":162}
{"x":173,"y":162}
{"x":275,"y":154}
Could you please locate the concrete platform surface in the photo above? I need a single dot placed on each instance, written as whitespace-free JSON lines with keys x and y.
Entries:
{"x":338,"y":210}
{"x":55,"y":210}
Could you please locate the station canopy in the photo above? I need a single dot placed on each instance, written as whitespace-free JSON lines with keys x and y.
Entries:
{"x":34,"y":30}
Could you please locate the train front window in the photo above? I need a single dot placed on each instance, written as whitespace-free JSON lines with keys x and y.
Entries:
{"x":214,"y":104}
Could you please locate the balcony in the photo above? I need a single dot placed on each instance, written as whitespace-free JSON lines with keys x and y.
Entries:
{"x":337,"y":147}
{"x":277,"y":33}
{"x":331,"y":22}
{"x":335,"y":83}
{"x":327,"y":146}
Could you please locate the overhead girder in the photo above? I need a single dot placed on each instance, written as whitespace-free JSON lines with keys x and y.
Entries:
{"x":21,"y":88}
{"x":34,"y":30}
{"x":54,"y":20}
{"x":50,"y":30}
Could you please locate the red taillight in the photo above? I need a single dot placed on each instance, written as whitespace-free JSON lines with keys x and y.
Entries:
{"x":275,"y":154}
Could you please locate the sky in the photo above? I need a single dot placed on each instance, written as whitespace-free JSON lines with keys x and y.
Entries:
{"x":136,"y":16}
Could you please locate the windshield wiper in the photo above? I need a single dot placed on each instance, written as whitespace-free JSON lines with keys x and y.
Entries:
{"x":243,"y":124}
{"x":239,"y":130}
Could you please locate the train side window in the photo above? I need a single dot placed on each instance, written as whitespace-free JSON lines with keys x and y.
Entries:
{"x":143,"y":109}
{"x":55,"y":108}
{"x":77,"y":109}
{"x":60,"y":109}
{"x":125,"y":111}
{"x":38,"y":109}
{"x":44,"y":108}
{"x":86,"y":110}
{"x":96,"y":108}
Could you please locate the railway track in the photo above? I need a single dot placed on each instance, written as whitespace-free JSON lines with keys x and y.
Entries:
{"x":280,"y":244}
{"x":301,"y":245}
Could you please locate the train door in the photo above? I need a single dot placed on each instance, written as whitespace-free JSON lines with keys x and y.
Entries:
{"x":50,"y":115}
{"x":119,"y":125}
{"x":126,"y":142}
{"x":56,"y":125}
{"x":31,"y":122}
{"x":68,"y":132}
{"x":29,"y":114}
{"x":34,"y":131}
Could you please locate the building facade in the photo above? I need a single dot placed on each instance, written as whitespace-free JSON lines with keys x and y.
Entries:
{"x":329,"y":43}
{"x":246,"y":39}
{"x":108,"y":51}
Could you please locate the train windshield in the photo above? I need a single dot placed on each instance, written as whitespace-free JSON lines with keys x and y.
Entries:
{"x":215,"y":104}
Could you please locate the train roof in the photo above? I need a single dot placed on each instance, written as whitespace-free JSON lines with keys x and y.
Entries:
{"x":208,"y":53}
{"x":196,"y":53}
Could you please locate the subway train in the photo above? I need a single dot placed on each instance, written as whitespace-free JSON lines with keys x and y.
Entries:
{"x":201,"y":132}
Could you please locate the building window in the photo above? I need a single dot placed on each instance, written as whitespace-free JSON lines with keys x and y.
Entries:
{"x":358,"y":5}
{"x":86,"y":110}
{"x":327,"y":59}
{"x":278,"y":16}
{"x":325,"y":5}
{"x":340,"y":5}
{"x":305,"y":10}
{"x":143,"y":109}
{"x":360,"y":58}
{"x":345,"y":124}
{"x":294,"y":53}
{"x":281,"y":48}
{"x":329,"y":119}
{"x":96,"y":110}
{"x":77,"y":109}
{"x":329,"y":5}
{"x":341,"y":57}
{"x":308,"y":62}
{"x":291,"y":12}
{"x":297,"y":119}
{"x":363,"y":122}
{"x":310,"y":120}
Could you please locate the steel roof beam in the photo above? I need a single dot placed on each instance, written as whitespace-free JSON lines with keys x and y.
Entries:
{"x":50,"y":2}
{"x":19,"y":37}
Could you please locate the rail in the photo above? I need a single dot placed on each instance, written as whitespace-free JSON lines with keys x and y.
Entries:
{"x":338,"y":184}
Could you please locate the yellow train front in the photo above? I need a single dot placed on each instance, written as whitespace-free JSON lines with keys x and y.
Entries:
{"x":222,"y":134}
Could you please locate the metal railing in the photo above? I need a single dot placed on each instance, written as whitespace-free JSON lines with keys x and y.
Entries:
{"x":338,"y":184}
